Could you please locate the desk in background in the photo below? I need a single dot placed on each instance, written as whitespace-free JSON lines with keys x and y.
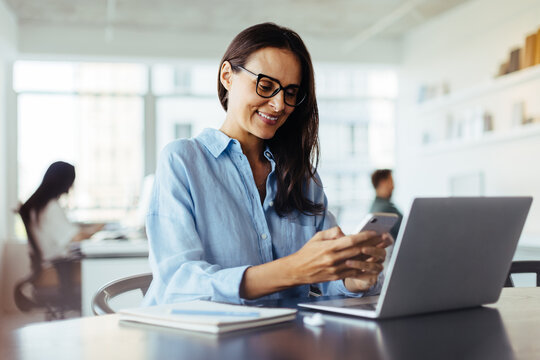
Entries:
{"x":508,"y":330}
{"x":107,"y":260}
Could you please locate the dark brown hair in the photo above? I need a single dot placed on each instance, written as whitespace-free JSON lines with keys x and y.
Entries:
{"x":295,"y":145}
{"x":57,"y":180}
{"x":379,"y":175}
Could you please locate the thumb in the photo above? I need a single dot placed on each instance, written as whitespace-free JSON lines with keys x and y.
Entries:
{"x":332,"y":233}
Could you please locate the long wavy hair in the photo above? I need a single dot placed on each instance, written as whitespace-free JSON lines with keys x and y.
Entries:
{"x":295,"y":145}
{"x":57,"y":180}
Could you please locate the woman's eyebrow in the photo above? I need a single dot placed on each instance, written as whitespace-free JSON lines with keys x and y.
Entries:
{"x":270,"y":77}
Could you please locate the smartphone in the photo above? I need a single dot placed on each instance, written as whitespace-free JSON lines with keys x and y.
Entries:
{"x":379,"y":222}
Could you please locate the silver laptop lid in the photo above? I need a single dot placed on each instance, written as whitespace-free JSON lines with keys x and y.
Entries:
{"x":453,"y":253}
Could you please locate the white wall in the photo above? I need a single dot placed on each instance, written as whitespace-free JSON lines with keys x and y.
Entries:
{"x":8,"y":38}
{"x":464,"y":48}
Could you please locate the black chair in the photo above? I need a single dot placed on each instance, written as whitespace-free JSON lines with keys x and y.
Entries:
{"x":53,"y":287}
{"x":100,"y":302}
{"x":523,"y":267}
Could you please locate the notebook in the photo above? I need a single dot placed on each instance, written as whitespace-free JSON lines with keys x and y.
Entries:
{"x":452,"y":253}
{"x":207,"y":316}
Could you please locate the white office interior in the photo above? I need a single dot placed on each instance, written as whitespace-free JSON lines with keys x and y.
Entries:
{"x":444,"y":121}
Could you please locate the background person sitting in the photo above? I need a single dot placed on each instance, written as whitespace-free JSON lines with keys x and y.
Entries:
{"x":55,"y":277}
{"x":47,"y":221}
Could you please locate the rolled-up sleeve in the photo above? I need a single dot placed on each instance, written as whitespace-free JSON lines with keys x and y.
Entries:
{"x":176,"y":250}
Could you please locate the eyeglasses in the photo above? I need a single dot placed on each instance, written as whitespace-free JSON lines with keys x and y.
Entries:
{"x":268,"y":87}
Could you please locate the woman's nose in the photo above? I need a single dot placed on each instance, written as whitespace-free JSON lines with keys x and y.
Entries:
{"x":278,"y":101}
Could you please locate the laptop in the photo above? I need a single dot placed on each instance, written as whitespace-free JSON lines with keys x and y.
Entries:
{"x":453,"y":253}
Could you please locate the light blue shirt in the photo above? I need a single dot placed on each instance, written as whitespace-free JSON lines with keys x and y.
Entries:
{"x":206,"y":224}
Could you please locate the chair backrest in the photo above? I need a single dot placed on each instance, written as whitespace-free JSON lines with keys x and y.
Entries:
{"x":35,"y":253}
{"x":23,"y":301}
{"x":100,"y":302}
{"x":523,"y":267}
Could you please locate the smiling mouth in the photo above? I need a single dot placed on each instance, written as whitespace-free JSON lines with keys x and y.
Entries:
{"x":268,"y":117}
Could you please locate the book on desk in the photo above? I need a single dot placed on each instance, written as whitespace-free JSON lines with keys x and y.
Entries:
{"x":207,"y":316}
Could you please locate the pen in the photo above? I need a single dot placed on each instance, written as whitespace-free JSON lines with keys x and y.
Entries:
{"x":214,"y":313}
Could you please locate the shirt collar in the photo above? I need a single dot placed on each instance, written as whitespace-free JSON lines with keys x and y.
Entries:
{"x":216,"y":142}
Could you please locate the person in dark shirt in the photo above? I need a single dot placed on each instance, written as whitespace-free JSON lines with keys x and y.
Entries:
{"x":384,"y":186}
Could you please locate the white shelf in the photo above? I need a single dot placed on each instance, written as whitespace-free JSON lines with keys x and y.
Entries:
{"x":495,"y":137}
{"x":498,"y":84}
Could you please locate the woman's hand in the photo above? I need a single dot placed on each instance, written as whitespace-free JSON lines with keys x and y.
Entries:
{"x":327,"y":257}
{"x":373,"y":254}
{"x":86,"y":231}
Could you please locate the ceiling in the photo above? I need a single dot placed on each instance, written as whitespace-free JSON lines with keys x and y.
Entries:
{"x":353,"y":19}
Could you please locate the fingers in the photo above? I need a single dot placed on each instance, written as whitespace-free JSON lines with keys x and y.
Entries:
{"x":364,"y":267}
{"x":387,"y":240}
{"x":360,"y":283}
{"x":343,"y":241}
{"x":329,"y":234}
{"x":366,"y":238}
{"x":333,"y":269}
{"x":358,"y":270}
{"x":344,"y":256}
{"x":375,"y":254}
{"x":348,"y":253}
{"x":362,"y":253}
{"x":351,"y":246}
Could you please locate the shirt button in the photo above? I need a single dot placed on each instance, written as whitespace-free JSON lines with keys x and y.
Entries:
{"x":271,"y":203}
{"x":264,"y":236}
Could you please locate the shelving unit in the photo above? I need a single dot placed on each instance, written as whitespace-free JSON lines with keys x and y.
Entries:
{"x":494,"y":85}
{"x":476,"y":162}
{"x":495,"y":97}
{"x":489,"y":138}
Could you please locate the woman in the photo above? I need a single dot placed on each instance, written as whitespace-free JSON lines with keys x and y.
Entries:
{"x":240,"y":213}
{"x":45,"y":219}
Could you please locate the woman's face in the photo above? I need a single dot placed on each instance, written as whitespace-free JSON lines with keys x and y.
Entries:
{"x":248,"y":114}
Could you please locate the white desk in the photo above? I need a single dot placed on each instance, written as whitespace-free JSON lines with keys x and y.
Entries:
{"x":108,"y":260}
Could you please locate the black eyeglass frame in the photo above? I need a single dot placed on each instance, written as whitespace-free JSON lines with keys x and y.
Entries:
{"x":284,"y":88}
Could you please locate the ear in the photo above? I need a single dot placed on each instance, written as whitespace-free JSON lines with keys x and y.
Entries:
{"x":225,"y":75}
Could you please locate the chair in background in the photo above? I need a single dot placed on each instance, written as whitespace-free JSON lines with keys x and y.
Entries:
{"x":53,"y":287}
{"x":523,"y":267}
{"x":100,"y":302}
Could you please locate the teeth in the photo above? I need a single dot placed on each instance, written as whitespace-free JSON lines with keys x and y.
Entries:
{"x":267,"y":116}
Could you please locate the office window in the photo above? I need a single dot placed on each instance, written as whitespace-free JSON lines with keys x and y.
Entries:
{"x":186,"y":100}
{"x":90,"y":115}
{"x":193,"y":79}
{"x":357,"y":114}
